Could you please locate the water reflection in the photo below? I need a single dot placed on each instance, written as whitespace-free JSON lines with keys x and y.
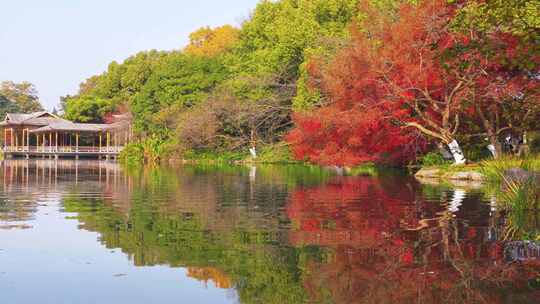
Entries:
{"x":387,"y":244}
{"x":287,"y":234}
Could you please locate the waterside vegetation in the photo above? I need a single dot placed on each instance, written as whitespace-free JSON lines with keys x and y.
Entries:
{"x":334,"y":83}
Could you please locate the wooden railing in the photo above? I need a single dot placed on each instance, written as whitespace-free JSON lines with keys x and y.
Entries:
{"x":63,"y":149}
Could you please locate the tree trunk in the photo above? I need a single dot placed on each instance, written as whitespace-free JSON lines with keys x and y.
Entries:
{"x":446,"y":137}
{"x":457,"y":153}
{"x":495,"y":146}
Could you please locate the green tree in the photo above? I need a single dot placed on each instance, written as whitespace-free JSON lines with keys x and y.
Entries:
{"x":8,"y":106}
{"x":518,"y":17}
{"x":24,"y":94}
{"x":179,"y":82}
{"x":87,"y":109}
{"x":117,"y":86}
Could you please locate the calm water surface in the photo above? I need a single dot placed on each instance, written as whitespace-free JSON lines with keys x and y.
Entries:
{"x":90,"y":232}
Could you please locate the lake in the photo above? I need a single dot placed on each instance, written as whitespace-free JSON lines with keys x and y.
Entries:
{"x":92,"y":232}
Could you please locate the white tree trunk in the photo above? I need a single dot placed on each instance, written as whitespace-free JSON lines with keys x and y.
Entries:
{"x":455,"y":149}
{"x":457,"y":200}
{"x":493,"y":151}
{"x":253,"y":152}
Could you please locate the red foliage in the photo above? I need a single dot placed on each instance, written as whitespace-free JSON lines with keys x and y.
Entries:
{"x":389,"y":245}
{"x":383,"y":82}
{"x":329,"y":136}
{"x":413,"y":75}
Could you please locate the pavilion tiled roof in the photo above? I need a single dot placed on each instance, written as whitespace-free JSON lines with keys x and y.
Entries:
{"x":32,"y":119}
{"x":47,"y":122}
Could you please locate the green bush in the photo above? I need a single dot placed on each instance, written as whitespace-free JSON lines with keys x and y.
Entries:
{"x":534,"y":142}
{"x":367,"y":169}
{"x":494,"y":169}
{"x":132,"y":154}
{"x":476,"y":153}
{"x":148,"y":151}
{"x":433,"y":159}
{"x":522,"y":202}
{"x":279,"y":153}
{"x":213,"y":156}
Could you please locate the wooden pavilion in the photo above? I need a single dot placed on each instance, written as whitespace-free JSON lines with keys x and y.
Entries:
{"x":45,"y":134}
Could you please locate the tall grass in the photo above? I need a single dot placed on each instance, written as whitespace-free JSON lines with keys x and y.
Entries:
{"x":493,"y":170}
{"x":518,"y":197}
{"x":521,"y":200}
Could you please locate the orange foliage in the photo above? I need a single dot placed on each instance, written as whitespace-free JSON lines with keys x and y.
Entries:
{"x":205,"y":274}
{"x":210,"y":42}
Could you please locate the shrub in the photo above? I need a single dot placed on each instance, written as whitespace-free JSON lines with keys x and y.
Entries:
{"x":433,"y":159}
{"x":521,"y":199}
{"x":148,"y":151}
{"x":278,"y":153}
{"x":132,"y":154}
{"x":494,"y":169}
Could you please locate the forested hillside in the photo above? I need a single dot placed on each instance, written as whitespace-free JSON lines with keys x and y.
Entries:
{"x":337,"y":82}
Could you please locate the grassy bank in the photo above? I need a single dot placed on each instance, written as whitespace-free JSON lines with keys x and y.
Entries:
{"x":488,"y":170}
{"x":493,"y":170}
{"x":517,"y":193}
{"x":151,"y":151}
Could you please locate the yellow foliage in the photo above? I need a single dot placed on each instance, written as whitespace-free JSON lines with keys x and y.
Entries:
{"x":210,"y":42}
{"x":205,"y":274}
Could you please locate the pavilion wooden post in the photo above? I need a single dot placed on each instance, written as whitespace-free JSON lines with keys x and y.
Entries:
{"x":99,"y":141}
{"x":56,"y":141}
{"x":11,"y":138}
{"x":23,"y":137}
{"x":77,"y":142}
{"x":28,"y":139}
{"x":43,"y":142}
{"x":16,"y":142}
{"x":108,"y":140}
{"x":5,"y":137}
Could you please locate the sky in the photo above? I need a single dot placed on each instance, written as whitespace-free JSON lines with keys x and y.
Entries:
{"x":57,"y":44}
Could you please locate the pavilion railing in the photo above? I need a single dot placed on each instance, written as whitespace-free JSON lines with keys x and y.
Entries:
{"x":62,"y":149}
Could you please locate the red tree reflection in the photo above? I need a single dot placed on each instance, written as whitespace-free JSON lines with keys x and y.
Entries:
{"x":386,"y":245}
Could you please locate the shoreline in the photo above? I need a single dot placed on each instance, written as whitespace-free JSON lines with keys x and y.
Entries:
{"x":458,"y":173}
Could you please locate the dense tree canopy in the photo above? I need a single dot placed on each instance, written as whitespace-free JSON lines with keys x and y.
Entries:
{"x":8,"y":106}
{"x":256,"y":68}
{"x":365,"y":80}
{"x":210,"y":42}
{"x":420,"y":75}
{"x":103,"y":93}
{"x":177,"y":83}
{"x":23,"y":94}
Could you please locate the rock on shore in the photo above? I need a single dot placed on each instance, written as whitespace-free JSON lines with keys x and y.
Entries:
{"x":465,"y":175}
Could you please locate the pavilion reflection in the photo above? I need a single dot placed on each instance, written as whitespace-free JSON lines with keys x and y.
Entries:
{"x":27,"y":183}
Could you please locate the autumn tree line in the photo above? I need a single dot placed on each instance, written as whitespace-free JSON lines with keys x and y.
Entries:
{"x":334,"y":82}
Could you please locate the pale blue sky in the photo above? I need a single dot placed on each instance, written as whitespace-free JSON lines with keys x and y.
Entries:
{"x":56,"y":44}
